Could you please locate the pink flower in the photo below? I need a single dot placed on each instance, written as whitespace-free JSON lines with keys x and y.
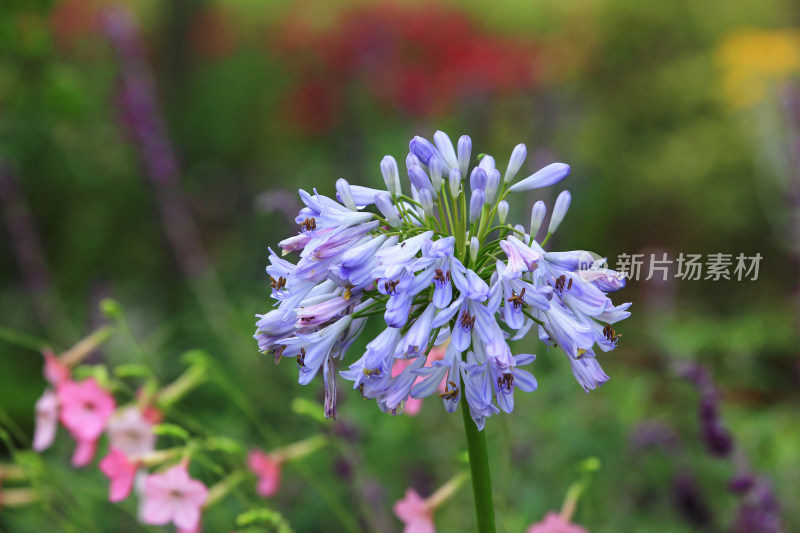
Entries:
{"x":414,"y":405}
{"x":55,"y":371}
{"x":85,"y":409}
{"x":173,"y":497}
{"x":553,"y":523}
{"x":121,"y":471}
{"x":268,"y":471}
{"x":46,"y":421}
{"x":130,"y":432}
{"x":413,"y":511}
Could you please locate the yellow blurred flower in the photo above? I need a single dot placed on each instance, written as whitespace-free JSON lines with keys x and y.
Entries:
{"x":753,"y":60}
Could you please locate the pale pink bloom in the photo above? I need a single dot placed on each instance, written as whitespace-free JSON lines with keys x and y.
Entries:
{"x":413,"y":511}
{"x":121,"y":471}
{"x":130,"y":432}
{"x":85,"y":409}
{"x":553,"y":523}
{"x":414,"y":405}
{"x":173,"y":497}
{"x":84,"y":452}
{"x":46,"y":421}
{"x":55,"y":371}
{"x":268,"y":471}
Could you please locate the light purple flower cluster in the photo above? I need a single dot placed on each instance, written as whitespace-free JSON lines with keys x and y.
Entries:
{"x":441,"y":272}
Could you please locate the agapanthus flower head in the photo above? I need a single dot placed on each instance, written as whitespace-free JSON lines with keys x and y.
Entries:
{"x":434,"y":258}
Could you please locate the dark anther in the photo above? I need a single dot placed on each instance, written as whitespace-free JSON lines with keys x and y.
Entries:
{"x":610,"y":334}
{"x":506,"y":381}
{"x":467,"y":321}
{"x":451,"y":392}
{"x":391,"y":287}
{"x":277,"y":284}
{"x":301,"y":359}
{"x":308,"y":224}
{"x":440,"y":277}
{"x":569,"y":285}
{"x":517,"y":300}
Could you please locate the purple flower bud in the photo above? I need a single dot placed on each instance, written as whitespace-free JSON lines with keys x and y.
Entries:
{"x":412,"y":161}
{"x":473,"y":248}
{"x":559,"y":211}
{"x":487,"y":163}
{"x":387,"y":209}
{"x":464,"y":153}
{"x":515,"y":162}
{"x":426,"y":200}
{"x":455,"y":182}
{"x":343,"y":194}
{"x":391,"y":176}
{"x":478,"y":178}
{"x":476,"y":204}
{"x":690,"y":501}
{"x":549,"y":175}
{"x":502,"y":211}
{"x":741,"y":484}
{"x":538,"y":212}
{"x":492,"y":182}
{"x":423,"y":149}
{"x":445,"y":147}
{"x":435,"y":169}
{"x":419,"y":178}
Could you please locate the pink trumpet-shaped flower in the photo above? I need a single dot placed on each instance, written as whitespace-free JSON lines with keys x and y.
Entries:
{"x":554,"y":523}
{"x":268,"y":471}
{"x":46,"y":421}
{"x":85,"y":409}
{"x":415,"y":514}
{"x":130,"y":432}
{"x":121,"y":471}
{"x":174,"y":497}
{"x":55,"y":371}
{"x":414,"y":405}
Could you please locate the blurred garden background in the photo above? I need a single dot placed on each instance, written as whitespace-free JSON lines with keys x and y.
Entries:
{"x":150,"y":152}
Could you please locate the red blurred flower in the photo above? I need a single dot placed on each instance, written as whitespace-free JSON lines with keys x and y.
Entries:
{"x":420,"y":61}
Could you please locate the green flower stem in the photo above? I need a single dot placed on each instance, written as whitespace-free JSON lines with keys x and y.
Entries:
{"x":221,"y":489}
{"x":84,"y":348}
{"x":479,"y":466}
{"x":300,"y":449}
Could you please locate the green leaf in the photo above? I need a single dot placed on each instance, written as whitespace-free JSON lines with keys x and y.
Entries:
{"x":171,"y":430}
{"x":131,"y":370}
{"x":313,"y":410}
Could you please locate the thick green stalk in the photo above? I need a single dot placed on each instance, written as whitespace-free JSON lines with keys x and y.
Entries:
{"x":479,"y":466}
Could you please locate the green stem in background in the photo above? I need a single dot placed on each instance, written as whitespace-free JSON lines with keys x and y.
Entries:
{"x":479,"y":467}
